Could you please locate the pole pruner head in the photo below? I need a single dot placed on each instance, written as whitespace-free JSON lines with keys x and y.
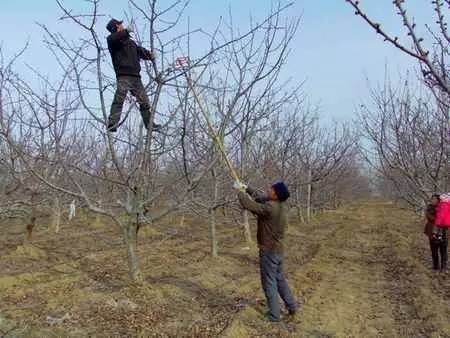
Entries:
{"x":182,"y":62}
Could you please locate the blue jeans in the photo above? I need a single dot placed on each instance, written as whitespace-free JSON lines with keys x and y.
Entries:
{"x":274,"y":284}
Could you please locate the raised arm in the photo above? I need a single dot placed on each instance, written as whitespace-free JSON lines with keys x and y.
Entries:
{"x":257,"y":195}
{"x":117,"y":38}
{"x":145,"y":54}
{"x":261,"y":209}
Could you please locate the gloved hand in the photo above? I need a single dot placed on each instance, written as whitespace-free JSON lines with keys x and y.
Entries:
{"x":238,"y":185}
{"x":153,"y":55}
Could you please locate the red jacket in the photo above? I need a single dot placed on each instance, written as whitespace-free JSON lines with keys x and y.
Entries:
{"x":442,"y":219}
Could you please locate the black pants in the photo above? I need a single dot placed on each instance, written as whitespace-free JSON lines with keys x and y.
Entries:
{"x":439,"y":253}
{"x":134,"y":85}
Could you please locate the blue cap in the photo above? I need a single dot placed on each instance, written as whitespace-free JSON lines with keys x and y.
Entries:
{"x":281,"y":190}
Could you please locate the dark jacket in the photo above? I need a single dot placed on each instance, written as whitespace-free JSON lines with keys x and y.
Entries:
{"x":271,"y":220}
{"x":126,"y":54}
{"x":430,"y":215}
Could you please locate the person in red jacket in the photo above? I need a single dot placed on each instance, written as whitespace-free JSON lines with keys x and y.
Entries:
{"x":431,"y":231}
{"x":440,"y":231}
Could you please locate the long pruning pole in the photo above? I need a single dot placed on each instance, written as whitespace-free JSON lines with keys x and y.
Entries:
{"x":215,"y":136}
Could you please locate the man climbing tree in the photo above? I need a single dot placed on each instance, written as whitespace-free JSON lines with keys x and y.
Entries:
{"x":126,"y":56}
{"x":271,"y":212}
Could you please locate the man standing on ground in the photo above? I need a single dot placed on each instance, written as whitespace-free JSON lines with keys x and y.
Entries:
{"x":271,"y":212}
{"x":126,"y":56}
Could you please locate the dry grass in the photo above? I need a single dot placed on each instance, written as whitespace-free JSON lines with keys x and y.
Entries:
{"x":362,"y":271}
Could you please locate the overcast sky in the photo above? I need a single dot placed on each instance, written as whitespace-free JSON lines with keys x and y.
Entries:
{"x":334,"y":51}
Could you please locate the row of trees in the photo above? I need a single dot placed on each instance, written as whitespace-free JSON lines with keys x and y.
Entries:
{"x":407,"y":127}
{"x":54,"y":146}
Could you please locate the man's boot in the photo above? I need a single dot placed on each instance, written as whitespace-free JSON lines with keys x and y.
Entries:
{"x":112,"y":125}
{"x":146,"y":119}
{"x":112,"y":128}
{"x":156,"y":127}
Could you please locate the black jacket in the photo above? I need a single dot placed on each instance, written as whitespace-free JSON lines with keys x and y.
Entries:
{"x":430,"y":215}
{"x":126,"y":54}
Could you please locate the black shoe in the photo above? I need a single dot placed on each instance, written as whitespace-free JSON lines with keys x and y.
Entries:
{"x":292,"y":312}
{"x":271,"y":318}
{"x":156,"y":127}
{"x":112,"y":128}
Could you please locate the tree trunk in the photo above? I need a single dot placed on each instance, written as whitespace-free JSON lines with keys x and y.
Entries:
{"x":131,"y":243}
{"x":335,"y":199}
{"x":246,"y":224}
{"x":212,"y":223}
{"x":72,"y":210}
{"x":97,"y":220}
{"x":30,"y":227}
{"x":56,"y":222}
{"x":447,"y":151}
{"x":212,"y":215}
{"x":298,"y":206}
{"x":182,"y":220}
{"x":32,"y":223}
{"x":309,"y":196}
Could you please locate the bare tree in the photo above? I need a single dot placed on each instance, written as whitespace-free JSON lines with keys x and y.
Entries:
{"x":408,"y":139}
{"x":240,"y":89}
{"x":252,"y":90}
{"x":311,"y":157}
{"x":22,"y":194}
{"x":431,"y":49}
{"x":128,"y":177}
{"x":432,"y":53}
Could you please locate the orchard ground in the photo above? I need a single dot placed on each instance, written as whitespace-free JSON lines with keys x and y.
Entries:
{"x":360,"y":271}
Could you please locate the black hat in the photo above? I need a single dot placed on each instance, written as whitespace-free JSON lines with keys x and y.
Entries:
{"x":281,"y":190}
{"x":112,"y":25}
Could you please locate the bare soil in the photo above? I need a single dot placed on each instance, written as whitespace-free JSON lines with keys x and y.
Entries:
{"x":361,"y":271}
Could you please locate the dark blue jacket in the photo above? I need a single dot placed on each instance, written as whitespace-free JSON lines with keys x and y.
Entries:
{"x":126,"y":54}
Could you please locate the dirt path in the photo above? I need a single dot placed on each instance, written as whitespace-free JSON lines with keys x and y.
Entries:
{"x":370,"y":280}
{"x":366,"y":275}
{"x":362,"y":271}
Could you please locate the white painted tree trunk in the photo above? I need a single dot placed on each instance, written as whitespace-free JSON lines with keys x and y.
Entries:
{"x":246,"y":225}
{"x":299,"y":206}
{"x":72,"y":210}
